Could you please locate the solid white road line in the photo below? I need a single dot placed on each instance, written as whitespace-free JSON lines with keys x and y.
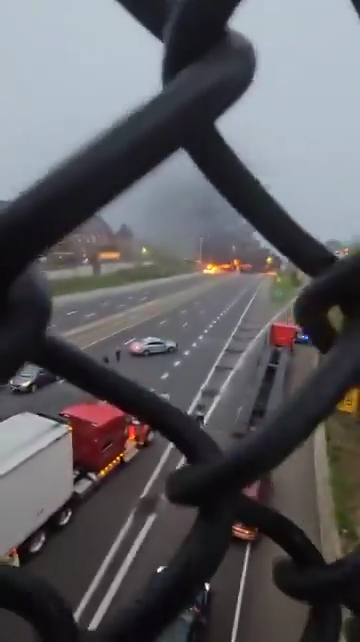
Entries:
{"x":152,"y":479}
{"x":240,"y":597}
{"x":238,"y":412}
{"x":120,"y":575}
{"x":242,"y":358}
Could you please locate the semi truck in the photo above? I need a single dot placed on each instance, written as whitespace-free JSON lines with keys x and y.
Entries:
{"x":50,"y":464}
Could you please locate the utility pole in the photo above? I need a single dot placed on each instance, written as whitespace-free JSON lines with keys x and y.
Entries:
{"x":201,"y":249}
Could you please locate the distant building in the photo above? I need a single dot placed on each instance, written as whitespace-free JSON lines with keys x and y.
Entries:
{"x":86,"y":243}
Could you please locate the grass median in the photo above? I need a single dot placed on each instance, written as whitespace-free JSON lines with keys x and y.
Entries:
{"x":121,"y":277}
{"x":284,"y":286}
{"x":343,"y":445}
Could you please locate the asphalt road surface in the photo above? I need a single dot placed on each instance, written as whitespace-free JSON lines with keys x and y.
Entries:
{"x":88,"y":307}
{"x":124,"y":531}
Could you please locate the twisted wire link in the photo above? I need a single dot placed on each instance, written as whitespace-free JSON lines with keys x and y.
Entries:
{"x":206,"y":68}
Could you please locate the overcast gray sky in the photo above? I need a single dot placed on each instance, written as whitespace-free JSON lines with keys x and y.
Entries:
{"x":68,"y":69}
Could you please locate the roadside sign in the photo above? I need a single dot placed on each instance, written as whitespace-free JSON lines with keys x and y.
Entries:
{"x":350,"y":403}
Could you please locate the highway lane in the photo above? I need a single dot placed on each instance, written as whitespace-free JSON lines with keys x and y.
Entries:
{"x":160,"y":527}
{"x":295,"y":496}
{"x":81,"y":310}
{"x":188,"y":324}
{"x":73,"y":556}
{"x":246,"y":605}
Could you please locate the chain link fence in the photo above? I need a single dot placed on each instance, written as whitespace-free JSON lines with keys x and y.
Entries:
{"x":206,"y":68}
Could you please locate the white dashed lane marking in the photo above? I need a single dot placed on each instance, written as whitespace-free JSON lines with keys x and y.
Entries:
{"x":163,"y":321}
{"x":177,"y":363}
{"x":71,"y":312}
{"x":186,"y":353}
{"x":185,"y":324}
{"x":91,"y":314}
{"x":164,"y":376}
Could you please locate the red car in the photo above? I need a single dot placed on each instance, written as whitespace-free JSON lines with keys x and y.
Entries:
{"x":260,"y":491}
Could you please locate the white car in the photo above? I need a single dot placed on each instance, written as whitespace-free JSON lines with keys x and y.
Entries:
{"x":152,"y":345}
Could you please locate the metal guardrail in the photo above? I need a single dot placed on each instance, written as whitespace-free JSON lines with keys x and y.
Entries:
{"x":206,"y":68}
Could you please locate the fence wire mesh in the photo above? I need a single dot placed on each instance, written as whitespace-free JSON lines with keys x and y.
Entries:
{"x":206,"y":68}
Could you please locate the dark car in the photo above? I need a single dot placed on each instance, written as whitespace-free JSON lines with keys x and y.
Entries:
{"x":30,"y":378}
{"x":192,"y":624}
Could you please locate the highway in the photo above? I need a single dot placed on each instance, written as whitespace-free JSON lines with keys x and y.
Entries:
{"x":124,"y":531}
{"x":71,"y":311}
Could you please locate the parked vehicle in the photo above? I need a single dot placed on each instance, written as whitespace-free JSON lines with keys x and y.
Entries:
{"x":152,"y":345}
{"x":302,"y":338}
{"x":31,"y":378}
{"x":282,"y":335}
{"x":49,"y":464}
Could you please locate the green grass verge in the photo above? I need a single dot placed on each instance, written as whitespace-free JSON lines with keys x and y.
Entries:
{"x":122,"y":277}
{"x":283,"y":287}
{"x":343,"y":445}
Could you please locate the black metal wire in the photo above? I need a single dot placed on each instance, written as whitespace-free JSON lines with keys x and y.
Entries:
{"x":206,"y":68}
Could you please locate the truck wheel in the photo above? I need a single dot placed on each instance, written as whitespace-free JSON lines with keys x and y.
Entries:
{"x":63,"y":517}
{"x":36,"y":543}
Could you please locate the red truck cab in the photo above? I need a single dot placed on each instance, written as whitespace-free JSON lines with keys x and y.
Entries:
{"x":283,"y":335}
{"x":103,"y":436}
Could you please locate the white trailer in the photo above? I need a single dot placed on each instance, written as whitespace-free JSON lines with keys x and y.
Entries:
{"x":36,"y":480}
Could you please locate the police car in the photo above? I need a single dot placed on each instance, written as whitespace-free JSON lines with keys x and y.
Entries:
{"x":302,"y":337}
